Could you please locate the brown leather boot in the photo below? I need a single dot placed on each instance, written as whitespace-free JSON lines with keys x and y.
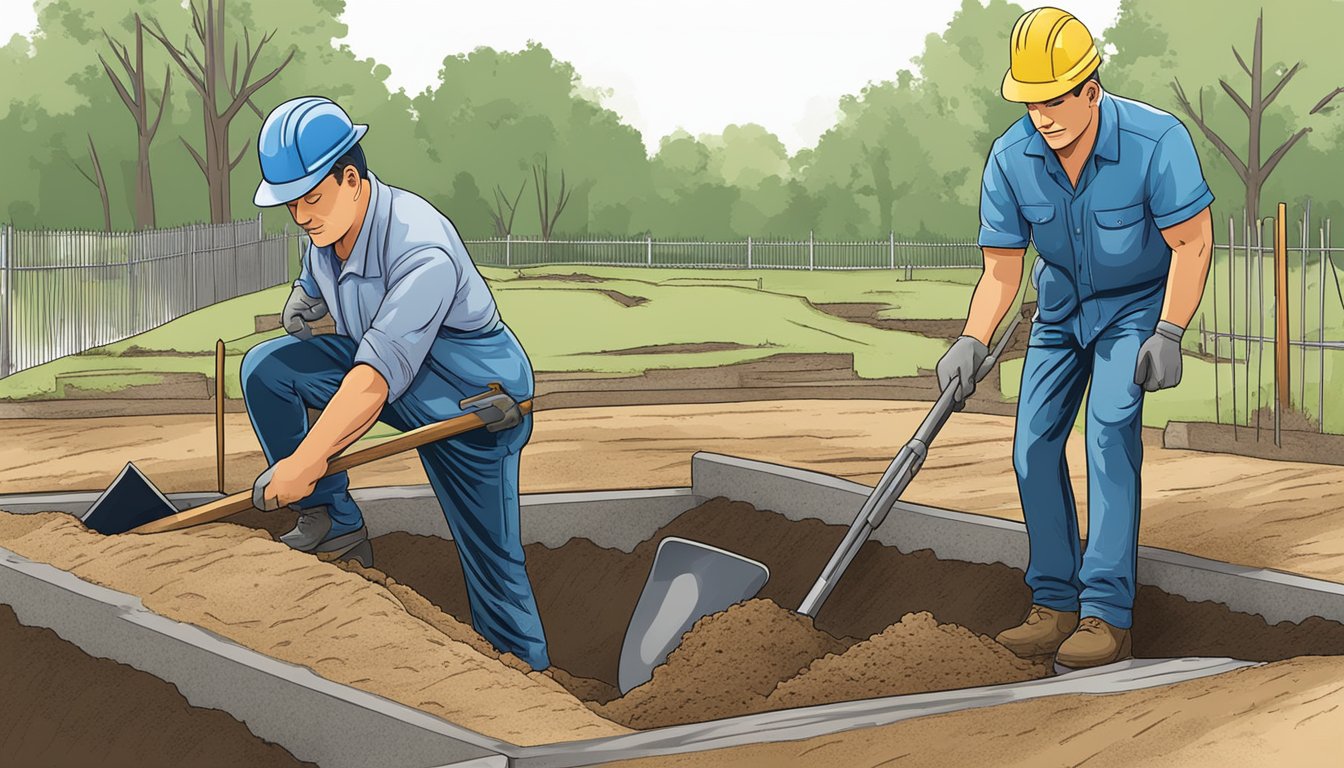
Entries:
{"x":1041,"y":633}
{"x":1093,"y":644}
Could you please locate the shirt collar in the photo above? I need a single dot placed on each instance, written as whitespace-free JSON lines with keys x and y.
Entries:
{"x":373,"y":230}
{"x":1108,"y":134}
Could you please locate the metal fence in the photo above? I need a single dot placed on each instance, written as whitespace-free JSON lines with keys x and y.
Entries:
{"x":732,"y":254}
{"x":64,"y":292}
{"x":1242,"y":303}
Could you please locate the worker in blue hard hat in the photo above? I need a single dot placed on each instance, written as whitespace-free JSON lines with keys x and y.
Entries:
{"x":417,"y":331}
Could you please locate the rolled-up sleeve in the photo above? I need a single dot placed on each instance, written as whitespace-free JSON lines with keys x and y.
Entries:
{"x":420,"y":290}
{"x":1001,"y":226}
{"x":1176,"y":186}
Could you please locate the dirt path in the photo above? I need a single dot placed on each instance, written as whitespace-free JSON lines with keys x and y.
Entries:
{"x":1249,"y":511}
{"x":1286,"y":713}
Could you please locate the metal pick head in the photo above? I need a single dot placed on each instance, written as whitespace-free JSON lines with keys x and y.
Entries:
{"x":128,"y":503}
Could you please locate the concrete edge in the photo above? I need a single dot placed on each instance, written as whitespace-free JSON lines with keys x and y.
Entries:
{"x":315,"y":719}
{"x":796,"y":493}
{"x":808,"y":722}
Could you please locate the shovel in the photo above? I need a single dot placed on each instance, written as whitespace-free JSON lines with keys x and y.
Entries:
{"x":133,"y":504}
{"x":690,"y":580}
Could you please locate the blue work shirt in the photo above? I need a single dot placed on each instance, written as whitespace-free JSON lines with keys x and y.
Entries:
{"x":1101,"y":246}
{"x":408,"y":277}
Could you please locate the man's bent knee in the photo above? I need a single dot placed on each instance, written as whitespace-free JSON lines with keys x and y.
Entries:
{"x":262,"y":366}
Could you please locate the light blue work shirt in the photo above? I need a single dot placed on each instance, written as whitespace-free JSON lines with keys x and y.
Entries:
{"x":408,"y":277}
{"x":1101,"y":246}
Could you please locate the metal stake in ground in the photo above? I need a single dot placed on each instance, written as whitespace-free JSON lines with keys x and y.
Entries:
{"x":690,"y":580}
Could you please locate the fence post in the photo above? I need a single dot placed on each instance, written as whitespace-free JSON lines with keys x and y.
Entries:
{"x":649,"y":246}
{"x":508,"y":249}
{"x":6,"y":300}
{"x":891,"y":250}
{"x":748,"y":251}
{"x":811,"y":247}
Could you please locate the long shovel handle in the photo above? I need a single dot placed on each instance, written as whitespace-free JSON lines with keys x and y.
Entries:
{"x":238,"y":502}
{"x":895,"y":480}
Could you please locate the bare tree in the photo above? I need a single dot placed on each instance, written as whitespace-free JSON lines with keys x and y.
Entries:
{"x":541,"y":177}
{"x":132,"y":93}
{"x":504,"y":226}
{"x":98,"y":182}
{"x":223,"y":94}
{"x":1252,"y":171}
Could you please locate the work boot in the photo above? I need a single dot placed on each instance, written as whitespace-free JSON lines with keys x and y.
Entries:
{"x":1093,"y":644}
{"x":1041,"y":634}
{"x":312,"y":533}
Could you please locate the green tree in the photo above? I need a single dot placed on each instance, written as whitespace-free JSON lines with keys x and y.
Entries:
{"x":1153,"y":42}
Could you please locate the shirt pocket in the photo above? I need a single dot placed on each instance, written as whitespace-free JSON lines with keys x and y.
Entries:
{"x":1120,"y":236}
{"x":1046,"y":228}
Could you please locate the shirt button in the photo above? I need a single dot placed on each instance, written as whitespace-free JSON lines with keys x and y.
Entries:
{"x":1077,"y":231}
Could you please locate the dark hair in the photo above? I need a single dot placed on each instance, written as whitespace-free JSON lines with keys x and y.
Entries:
{"x":1095,"y":77}
{"x":353,"y":156}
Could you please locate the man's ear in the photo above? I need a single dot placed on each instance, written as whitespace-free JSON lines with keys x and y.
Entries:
{"x":1093,"y":93}
{"x":351,"y":177}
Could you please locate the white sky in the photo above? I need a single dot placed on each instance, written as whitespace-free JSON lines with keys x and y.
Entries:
{"x":695,"y":64}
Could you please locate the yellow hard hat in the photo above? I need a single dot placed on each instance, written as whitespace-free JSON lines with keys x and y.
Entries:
{"x":1050,"y":54}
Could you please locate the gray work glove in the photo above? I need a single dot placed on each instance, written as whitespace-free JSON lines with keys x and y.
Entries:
{"x":1159,"y":365}
{"x":962,"y":360}
{"x":301,"y":309}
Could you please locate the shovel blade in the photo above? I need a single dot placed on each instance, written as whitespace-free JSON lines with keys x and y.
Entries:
{"x":687,"y":582}
{"x":129,"y":502}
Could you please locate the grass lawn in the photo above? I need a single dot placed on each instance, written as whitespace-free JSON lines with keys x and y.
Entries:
{"x":567,"y":325}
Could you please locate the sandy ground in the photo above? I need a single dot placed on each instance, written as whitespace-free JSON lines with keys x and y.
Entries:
{"x":238,"y":583}
{"x":1280,"y":714}
{"x":1255,"y":512}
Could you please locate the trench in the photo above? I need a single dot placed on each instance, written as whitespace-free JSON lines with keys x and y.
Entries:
{"x":898,"y":622}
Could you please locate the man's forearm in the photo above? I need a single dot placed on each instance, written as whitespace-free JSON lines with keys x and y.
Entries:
{"x":1185,"y":282}
{"x":353,"y":410}
{"x":1191,"y":244}
{"x":994,"y":293}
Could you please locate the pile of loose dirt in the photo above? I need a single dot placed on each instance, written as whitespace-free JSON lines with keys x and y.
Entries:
{"x":757,"y":656}
{"x":726,"y":665}
{"x":257,"y":592}
{"x":915,"y":655}
{"x":61,"y":706}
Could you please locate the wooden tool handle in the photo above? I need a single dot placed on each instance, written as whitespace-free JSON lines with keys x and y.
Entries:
{"x":238,"y":502}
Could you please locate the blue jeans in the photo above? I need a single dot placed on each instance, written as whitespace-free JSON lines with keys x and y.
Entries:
{"x":474,"y":476}
{"x":1099,"y":582}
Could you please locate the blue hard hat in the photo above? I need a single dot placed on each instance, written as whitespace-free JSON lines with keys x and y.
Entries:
{"x":299,"y":143}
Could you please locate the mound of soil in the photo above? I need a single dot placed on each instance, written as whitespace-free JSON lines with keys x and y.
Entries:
{"x":239,"y":584}
{"x":62,"y":707}
{"x":914,"y":655}
{"x":726,"y":665}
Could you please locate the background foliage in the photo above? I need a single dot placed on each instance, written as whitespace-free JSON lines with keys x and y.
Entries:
{"x":905,"y":154}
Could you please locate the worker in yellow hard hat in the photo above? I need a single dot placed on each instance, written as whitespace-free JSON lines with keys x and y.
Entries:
{"x":1111,"y":193}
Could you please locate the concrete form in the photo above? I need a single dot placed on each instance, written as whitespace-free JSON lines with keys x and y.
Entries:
{"x":336,"y":725}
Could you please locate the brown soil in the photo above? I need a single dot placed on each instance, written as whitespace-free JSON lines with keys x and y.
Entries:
{"x":1289,"y":713}
{"x":671,"y":349}
{"x":914,"y":655}
{"x":868,"y":313}
{"x":62,"y":707}
{"x":586,"y":593}
{"x":573,"y":277}
{"x":624,"y":299}
{"x":1293,"y":444}
{"x":727,"y":665}
{"x":239,"y":584}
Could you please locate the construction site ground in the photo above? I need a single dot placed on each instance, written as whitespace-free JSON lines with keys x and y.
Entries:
{"x":1242,"y":510}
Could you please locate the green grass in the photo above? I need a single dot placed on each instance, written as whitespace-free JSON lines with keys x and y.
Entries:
{"x":571,"y":326}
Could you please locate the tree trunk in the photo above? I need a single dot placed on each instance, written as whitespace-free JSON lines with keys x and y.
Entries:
{"x":144,"y":187}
